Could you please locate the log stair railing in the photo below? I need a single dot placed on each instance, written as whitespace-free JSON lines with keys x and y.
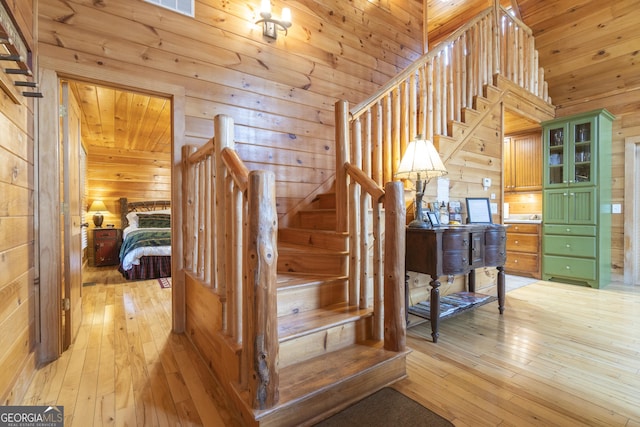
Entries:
{"x":441,"y":88}
{"x":304,"y":343}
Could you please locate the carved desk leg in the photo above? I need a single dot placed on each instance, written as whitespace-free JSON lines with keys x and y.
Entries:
{"x":501,"y":289}
{"x":434,"y":304}
{"x":406,"y":297}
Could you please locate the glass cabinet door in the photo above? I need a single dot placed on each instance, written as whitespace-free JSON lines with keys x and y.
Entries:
{"x":555,"y":156}
{"x":582,"y":171}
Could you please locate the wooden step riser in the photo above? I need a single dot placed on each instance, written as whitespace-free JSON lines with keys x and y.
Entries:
{"x":336,"y":397}
{"x":318,"y":219}
{"x":322,"y":342}
{"x":301,"y":262}
{"x":304,"y":298}
{"x":316,"y":238}
{"x":325,"y":201}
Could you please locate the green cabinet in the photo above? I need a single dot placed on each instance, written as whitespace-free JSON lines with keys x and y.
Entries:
{"x":576,"y":236}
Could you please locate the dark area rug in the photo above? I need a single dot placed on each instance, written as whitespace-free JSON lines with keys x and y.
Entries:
{"x":386,"y":407}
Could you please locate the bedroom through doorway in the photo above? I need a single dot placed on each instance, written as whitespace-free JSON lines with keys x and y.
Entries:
{"x":127,"y":137}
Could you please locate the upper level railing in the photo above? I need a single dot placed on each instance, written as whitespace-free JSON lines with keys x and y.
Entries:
{"x":423,"y":99}
{"x":433,"y":91}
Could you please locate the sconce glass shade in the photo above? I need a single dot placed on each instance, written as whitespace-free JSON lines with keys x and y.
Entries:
{"x":421,"y":159}
{"x":270,"y":24}
{"x":98,"y":207}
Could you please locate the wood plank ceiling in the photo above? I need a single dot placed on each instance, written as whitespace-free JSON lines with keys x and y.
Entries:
{"x":127,"y":136}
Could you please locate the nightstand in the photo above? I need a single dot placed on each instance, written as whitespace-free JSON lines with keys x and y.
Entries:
{"x":106,"y":246}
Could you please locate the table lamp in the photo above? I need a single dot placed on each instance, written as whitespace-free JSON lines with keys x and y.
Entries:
{"x":97,"y":207}
{"x":421,"y":159}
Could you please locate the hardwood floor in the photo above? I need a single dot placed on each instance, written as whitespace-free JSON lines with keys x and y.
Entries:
{"x":560,"y":355}
{"x":126,"y":367}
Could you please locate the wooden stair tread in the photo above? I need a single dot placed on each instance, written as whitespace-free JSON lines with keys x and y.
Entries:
{"x":297,"y":325}
{"x":291,"y":280}
{"x":316,"y":376}
{"x":286,"y":247}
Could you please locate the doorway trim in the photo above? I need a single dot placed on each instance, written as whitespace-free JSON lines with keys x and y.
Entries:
{"x":51,"y":71}
{"x":631,"y":210}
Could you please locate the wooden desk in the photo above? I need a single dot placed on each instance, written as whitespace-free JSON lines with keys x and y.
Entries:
{"x":452,"y":250}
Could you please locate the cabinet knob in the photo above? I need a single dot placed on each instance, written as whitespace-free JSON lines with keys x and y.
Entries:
{"x":568,"y":267}
{"x":572,"y":194}
{"x":568,"y":245}
{"x":568,"y":230}
{"x":517,"y":242}
{"x":515,"y":261}
{"x":464,"y":260}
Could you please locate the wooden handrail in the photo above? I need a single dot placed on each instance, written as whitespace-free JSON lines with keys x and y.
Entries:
{"x":236,"y":167}
{"x":202,"y":152}
{"x":367,"y":184}
{"x":392,"y":84}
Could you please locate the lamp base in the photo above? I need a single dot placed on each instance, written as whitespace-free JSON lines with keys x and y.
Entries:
{"x":97,"y":220}
{"x":416,"y":223}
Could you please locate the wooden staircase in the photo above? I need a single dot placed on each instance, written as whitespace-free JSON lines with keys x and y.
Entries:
{"x":328,"y":359}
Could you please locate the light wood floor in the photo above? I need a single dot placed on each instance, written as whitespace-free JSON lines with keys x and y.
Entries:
{"x":560,"y":355}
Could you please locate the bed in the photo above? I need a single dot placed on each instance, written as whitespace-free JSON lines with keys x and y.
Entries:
{"x":146,"y":239}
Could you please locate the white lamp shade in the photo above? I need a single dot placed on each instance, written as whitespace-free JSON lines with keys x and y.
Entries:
{"x":420,"y":158}
{"x":98,"y":206}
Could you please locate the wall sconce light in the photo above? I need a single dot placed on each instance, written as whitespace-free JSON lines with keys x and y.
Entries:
{"x":271,"y":25}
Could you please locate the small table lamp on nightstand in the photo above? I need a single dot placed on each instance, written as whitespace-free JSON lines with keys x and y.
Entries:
{"x":98,"y":207}
{"x":421,"y":159}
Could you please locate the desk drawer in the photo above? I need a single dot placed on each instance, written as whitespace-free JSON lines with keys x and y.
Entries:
{"x":455,"y":241}
{"x":455,"y":262}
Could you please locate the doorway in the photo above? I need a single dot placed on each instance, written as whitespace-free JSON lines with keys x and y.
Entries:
{"x":631,"y":211}
{"x":107,"y":163}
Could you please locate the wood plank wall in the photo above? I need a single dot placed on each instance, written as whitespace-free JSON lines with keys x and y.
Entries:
{"x":280,"y":93}
{"x":18,"y":292}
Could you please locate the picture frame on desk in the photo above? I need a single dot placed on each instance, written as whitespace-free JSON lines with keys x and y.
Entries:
{"x":432,"y":218}
{"x":478,"y":210}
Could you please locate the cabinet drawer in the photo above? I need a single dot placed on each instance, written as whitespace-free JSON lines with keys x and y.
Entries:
{"x":105,"y":234}
{"x":523,"y":242}
{"x":523,"y":228}
{"x":574,"y":230}
{"x":517,"y":261}
{"x":576,"y":268}
{"x":570,"y":245}
{"x":494,"y":256}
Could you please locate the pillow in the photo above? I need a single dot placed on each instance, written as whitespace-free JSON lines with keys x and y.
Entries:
{"x":132,"y":217}
{"x":154,"y":220}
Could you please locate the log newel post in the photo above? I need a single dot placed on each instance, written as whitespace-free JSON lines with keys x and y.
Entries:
{"x":260,"y":308}
{"x":342,"y":156}
{"x":395,"y":327}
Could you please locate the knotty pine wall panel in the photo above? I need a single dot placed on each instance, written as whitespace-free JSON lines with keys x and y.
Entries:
{"x":281,"y":94}
{"x":18,"y":290}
